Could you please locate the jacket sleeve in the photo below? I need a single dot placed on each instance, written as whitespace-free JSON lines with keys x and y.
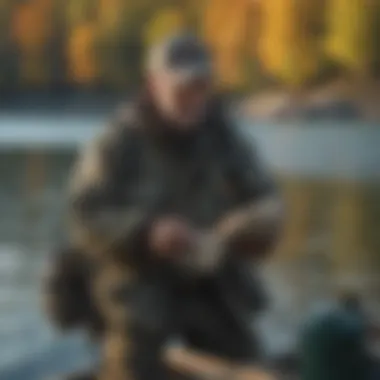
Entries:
{"x":105,"y":216}
{"x":254,"y":224}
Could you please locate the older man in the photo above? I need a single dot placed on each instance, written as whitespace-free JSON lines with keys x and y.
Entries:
{"x":169,"y":204}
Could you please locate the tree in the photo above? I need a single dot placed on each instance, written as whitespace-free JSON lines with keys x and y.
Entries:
{"x":287,"y":48}
{"x":31,"y":28}
{"x":82,"y":66}
{"x":165,"y":22}
{"x":351,"y":34}
{"x":225,"y":28}
{"x":121,"y":44}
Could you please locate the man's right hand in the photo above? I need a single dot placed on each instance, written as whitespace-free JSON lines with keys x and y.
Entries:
{"x":170,"y":236}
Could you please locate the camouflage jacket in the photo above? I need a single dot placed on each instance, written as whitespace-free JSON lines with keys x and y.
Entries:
{"x":139,"y":169}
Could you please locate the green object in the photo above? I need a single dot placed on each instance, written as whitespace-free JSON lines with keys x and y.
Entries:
{"x":333,"y":347}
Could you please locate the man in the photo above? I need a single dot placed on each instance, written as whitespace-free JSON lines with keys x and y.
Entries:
{"x":168,"y":204}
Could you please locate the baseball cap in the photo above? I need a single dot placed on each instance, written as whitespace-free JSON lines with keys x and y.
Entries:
{"x":182,"y":58}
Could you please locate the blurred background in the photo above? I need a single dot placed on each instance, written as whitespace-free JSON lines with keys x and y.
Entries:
{"x":305,"y":77}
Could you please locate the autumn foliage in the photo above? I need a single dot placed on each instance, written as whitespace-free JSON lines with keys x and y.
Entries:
{"x":288,"y":41}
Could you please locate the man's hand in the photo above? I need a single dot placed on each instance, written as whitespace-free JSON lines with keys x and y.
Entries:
{"x":259,"y":218}
{"x":253,"y":229}
{"x":195,"y":251}
{"x":170,"y":236}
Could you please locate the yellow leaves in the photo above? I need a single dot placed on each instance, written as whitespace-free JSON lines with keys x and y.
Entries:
{"x":78,"y":11}
{"x":278,"y":30}
{"x":82,"y":63}
{"x":233,"y":29}
{"x":228,"y":66}
{"x":31,"y":29}
{"x":284,"y":35}
{"x":31,"y":25}
{"x":254,"y":29}
{"x":286,"y":47}
{"x":109,"y":14}
{"x":225,"y":28}
{"x":167,"y":21}
{"x":215,"y":14}
{"x":351,"y":32}
{"x":81,"y":38}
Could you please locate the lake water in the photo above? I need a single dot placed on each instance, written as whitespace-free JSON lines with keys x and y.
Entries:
{"x":31,"y":221}
{"x":317,"y":149}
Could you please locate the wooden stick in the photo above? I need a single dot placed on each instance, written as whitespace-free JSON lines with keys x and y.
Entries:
{"x":210,"y":367}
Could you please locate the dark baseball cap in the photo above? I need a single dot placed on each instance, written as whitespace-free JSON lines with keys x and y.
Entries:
{"x":182,"y":58}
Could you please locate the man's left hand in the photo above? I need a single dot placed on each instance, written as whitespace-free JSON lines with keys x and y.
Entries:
{"x":254,"y":228}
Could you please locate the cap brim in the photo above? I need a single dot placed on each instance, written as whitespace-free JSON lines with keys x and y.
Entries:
{"x":190,"y":74}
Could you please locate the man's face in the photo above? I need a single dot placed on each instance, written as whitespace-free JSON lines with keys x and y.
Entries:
{"x":183,"y":103}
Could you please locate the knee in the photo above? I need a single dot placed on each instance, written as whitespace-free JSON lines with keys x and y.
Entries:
{"x":66,"y":296}
{"x":209,"y":328}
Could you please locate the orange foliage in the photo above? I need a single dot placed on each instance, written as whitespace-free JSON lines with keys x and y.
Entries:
{"x":214,"y":14}
{"x":109,"y":13}
{"x":82,"y":63}
{"x":254,"y":28}
{"x":225,"y":28}
{"x":31,"y":25}
{"x":283,"y":34}
{"x":229,"y":68}
{"x":233,"y":28}
{"x":286,"y":47}
{"x":351,"y":33}
{"x":165,"y":22}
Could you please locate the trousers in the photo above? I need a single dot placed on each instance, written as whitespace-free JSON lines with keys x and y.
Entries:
{"x":210,"y":314}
